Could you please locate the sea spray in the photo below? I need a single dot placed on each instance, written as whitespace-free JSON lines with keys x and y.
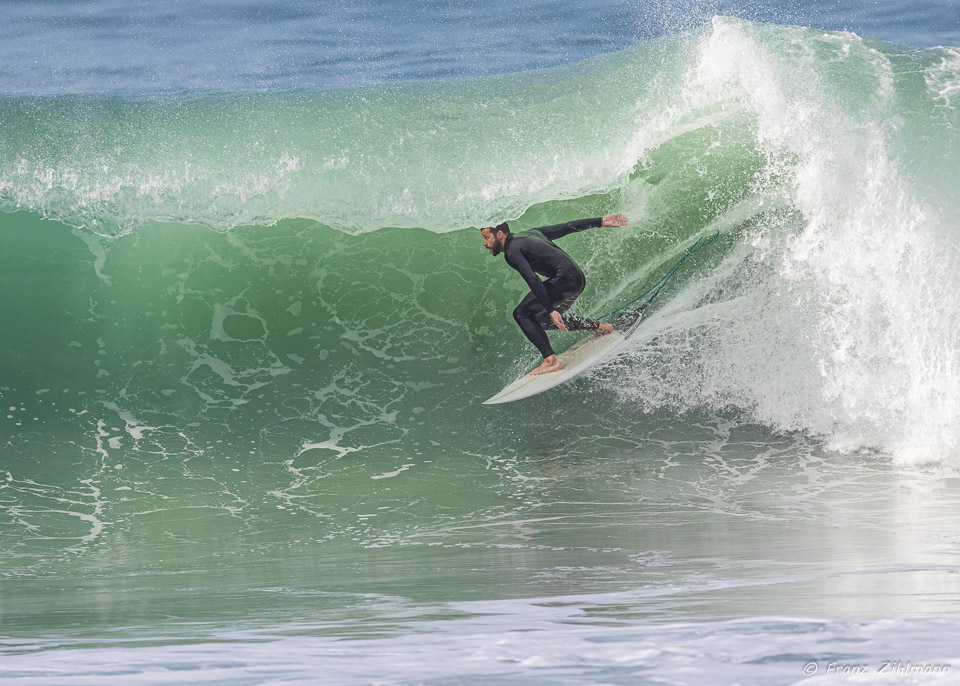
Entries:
{"x":841,"y":318}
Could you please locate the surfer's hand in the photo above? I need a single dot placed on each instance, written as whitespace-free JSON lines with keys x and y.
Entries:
{"x":612,"y":220}
{"x":558,"y":321}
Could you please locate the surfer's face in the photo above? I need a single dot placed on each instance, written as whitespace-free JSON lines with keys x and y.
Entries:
{"x":492,"y":241}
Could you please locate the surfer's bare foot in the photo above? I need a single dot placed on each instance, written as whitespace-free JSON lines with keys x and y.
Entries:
{"x":550,"y":364}
{"x":604,"y":329}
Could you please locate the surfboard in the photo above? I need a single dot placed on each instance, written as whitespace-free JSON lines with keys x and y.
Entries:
{"x":576,"y":360}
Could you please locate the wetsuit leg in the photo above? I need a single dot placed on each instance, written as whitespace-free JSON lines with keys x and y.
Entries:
{"x":528,"y":315}
{"x":533,"y":319}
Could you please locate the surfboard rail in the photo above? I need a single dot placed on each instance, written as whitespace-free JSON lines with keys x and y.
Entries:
{"x":576,"y":360}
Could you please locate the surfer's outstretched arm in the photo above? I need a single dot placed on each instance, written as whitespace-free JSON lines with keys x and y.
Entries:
{"x":560,"y":230}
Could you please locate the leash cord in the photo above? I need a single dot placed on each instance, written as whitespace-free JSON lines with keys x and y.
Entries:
{"x":657,"y":287}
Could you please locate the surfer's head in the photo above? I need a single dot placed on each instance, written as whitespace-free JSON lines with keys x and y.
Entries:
{"x":494,"y":237}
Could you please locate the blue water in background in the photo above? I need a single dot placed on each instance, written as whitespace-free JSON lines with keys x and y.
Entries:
{"x":117,"y":47}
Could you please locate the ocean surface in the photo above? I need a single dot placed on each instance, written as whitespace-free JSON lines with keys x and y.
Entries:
{"x":248,"y":323}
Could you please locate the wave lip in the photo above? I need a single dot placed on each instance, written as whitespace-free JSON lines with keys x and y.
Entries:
{"x":439,"y":156}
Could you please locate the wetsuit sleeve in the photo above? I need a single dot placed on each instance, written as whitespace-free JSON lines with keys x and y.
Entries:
{"x":516,"y":260}
{"x":560,"y":230}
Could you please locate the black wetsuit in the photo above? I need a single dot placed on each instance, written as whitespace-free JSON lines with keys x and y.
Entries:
{"x":534,"y":252}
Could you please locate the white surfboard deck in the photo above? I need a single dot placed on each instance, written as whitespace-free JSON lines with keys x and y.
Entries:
{"x":576,"y":360}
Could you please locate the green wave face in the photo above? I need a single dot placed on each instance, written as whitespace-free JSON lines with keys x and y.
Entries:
{"x":268,"y":307}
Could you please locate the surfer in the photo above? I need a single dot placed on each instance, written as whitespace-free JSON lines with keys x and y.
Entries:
{"x":534,"y":252}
